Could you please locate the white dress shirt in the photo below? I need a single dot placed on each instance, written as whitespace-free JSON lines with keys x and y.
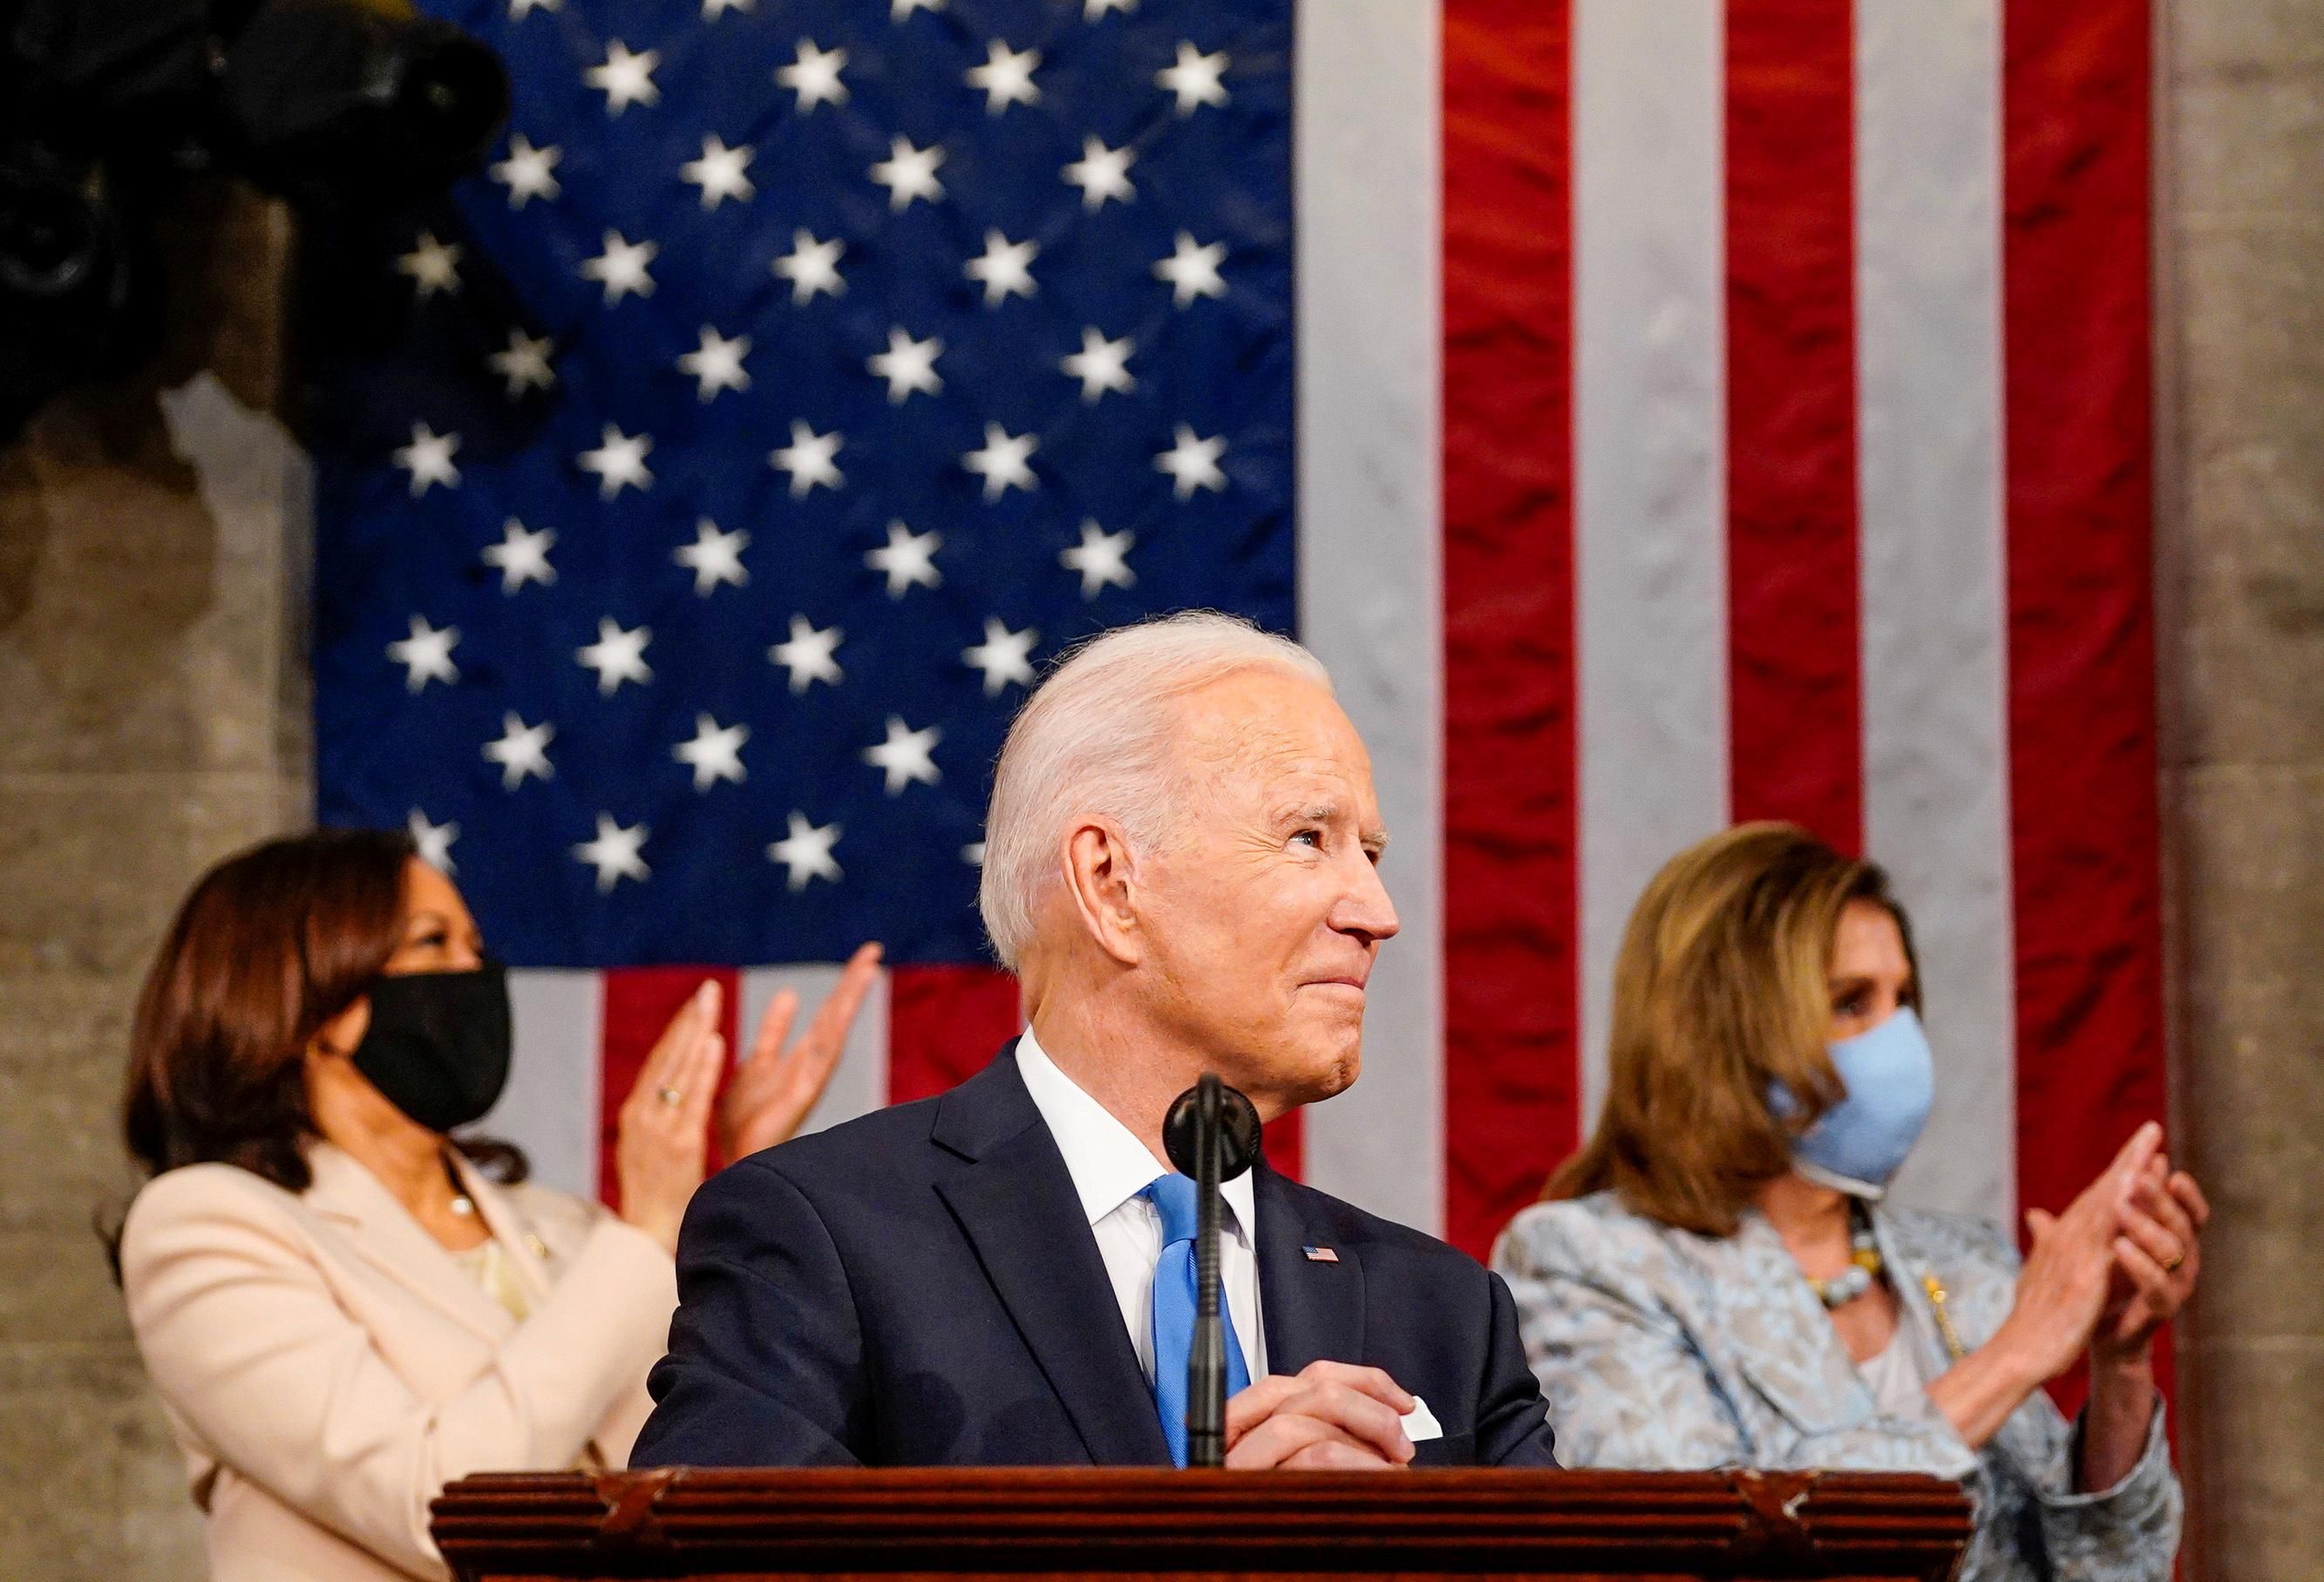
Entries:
{"x":1110,"y":1167}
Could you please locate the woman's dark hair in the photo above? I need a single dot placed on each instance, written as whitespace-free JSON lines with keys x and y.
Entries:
{"x":272,"y":945}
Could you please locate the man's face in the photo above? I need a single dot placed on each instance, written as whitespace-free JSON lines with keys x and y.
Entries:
{"x":1261,"y":917}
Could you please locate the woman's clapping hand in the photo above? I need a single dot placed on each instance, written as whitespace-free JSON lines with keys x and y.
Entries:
{"x":662,"y":1148}
{"x":776,"y":1087}
{"x":2157,"y":1258}
{"x":2069,"y":1275}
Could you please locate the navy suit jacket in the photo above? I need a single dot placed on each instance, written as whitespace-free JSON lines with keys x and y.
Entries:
{"x":920,"y":1287}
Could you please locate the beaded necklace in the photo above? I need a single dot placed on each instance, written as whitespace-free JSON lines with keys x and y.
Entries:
{"x":1864,"y":1262}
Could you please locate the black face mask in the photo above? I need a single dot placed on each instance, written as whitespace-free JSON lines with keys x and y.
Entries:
{"x":437,"y":1046}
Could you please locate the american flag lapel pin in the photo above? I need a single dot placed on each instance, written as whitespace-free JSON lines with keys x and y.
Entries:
{"x":1320,"y":1255}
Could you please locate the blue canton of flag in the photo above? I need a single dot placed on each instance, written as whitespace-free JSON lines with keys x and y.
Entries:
{"x":799,"y":377}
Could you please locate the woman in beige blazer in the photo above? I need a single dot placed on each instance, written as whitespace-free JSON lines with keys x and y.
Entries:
{"x":340,"y":1306}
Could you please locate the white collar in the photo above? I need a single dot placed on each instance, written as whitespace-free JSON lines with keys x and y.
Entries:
{"x":1109,"y":1164}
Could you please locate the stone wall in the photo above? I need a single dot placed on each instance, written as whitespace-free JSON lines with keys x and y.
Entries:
{"x":151,"y":720}
{"x":2240,"y":584}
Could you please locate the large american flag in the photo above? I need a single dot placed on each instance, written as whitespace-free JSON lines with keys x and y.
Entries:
{"x":1656,"y":412}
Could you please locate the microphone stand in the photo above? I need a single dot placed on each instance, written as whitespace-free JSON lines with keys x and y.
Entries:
{"x":1207,"y":1359}
{"x":1212,"y":1134}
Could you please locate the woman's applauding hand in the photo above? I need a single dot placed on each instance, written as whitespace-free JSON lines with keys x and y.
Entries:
{"x":664,"y":1137}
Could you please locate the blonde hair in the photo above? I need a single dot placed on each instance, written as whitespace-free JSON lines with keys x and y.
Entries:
{"x":1096,"y":738}
{"x":1721,"y":991}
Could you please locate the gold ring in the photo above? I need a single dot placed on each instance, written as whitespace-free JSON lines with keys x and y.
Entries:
{"x":2172,"y":1266}
{"x":670,"y":1096}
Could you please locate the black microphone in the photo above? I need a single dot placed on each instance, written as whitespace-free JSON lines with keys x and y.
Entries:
{"x":1212,"y":1134}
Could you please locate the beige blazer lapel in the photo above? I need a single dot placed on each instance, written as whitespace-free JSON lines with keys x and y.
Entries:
{"x":509,"y":1226}
{"x":381,"y":1231}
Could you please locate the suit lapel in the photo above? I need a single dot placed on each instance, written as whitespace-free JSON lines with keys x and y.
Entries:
{"x":1313,"y":1310}
{"x":1015,"y":1200}
{"x":523,"y":1246}
{"x":1785,"y":1342}
{"x":381,"y":1231}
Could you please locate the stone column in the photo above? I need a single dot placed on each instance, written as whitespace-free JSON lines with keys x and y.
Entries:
{"x":2240,"y":343}
{"x":152,"y":718}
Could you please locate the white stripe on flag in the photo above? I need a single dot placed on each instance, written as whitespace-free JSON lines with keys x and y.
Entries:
{"x":1369,"y":510}
{"x":550,"y":1108}
{"x":860,"y":1083}
{"x":1928,"y":286}
{"x":1650,"y":512}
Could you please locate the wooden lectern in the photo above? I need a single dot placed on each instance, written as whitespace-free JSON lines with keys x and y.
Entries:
{"x":1125,"y":1522}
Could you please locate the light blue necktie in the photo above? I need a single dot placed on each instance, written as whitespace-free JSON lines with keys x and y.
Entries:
{"x":1173,"y":1309}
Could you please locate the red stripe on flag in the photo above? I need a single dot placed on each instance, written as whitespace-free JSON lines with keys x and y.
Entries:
{"x":1286,"y":1144}
{"x":1511,"y":1080}
{"x":944,"y":1024}
{"x":2085,"y":852}
{"x":1794,"y":684}
{"x":639,"y":1002}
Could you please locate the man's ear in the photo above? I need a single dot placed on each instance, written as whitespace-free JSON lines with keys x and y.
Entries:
{"x":1101,"y":878}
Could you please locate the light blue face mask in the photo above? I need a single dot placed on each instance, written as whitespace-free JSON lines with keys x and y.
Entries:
{"x":1859,"y":1142}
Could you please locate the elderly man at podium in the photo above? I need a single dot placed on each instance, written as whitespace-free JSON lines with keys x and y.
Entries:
{"x":1180,"y":866}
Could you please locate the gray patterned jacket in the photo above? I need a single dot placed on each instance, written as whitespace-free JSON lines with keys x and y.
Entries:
{"x":1659,"y":1347}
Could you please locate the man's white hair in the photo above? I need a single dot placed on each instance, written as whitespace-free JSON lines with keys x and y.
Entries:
{"x":1095,"y":738}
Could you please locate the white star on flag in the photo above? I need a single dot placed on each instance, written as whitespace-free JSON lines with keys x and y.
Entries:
{"x":1003,"y":655}
{"x":624,"y":78}
{"x":811,"y":266}
{"x":720,"y":174}
{"x":1004,"y":461}
{"x":529,"y":172}
{"x":525,"y":363}
{"x":1193,"y":463}
{"x":714,"y":754}
{"x":711,"y":10}
{"x":907,"y":365}
{"x":1091,"y":10}
{"x":908,"y":559}
{"x":616,"y":853}
{"x":906,"y":755}
{"x":810,"y":656}
{"x":900,"y":9}
{"x":1006,"y":78}
{"x":426,"y":654}
{"x":522,"y":556}
{"x":1102,"y":558}
{"x":428,"y":459}
{"x":813,"y":75}
{"x":617,"y":656}
{"x":1100,"y":364}
{"x":434,"y":841}
{"x":1194,"y":78}
{"x":1101,"y":173}
{"x":1193,"y":271}
{"x":909,"y":173}
{"x":973,"y":854}
{"x":434,"y":266}
{"x":622,"y":268}
{"x":520,"y":9}
{"x":716,"y":363}
{"x":715,"y":558}
{"x":805,"y":852}
{"x":808,"y":459}
{"x":522,"y":750}
{"x":1006,"y":268}
{"x":619,"y":461}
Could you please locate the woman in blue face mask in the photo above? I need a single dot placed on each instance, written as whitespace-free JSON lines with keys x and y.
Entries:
{"x":1717,"y":1278}
{"x":340,"y":1305}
